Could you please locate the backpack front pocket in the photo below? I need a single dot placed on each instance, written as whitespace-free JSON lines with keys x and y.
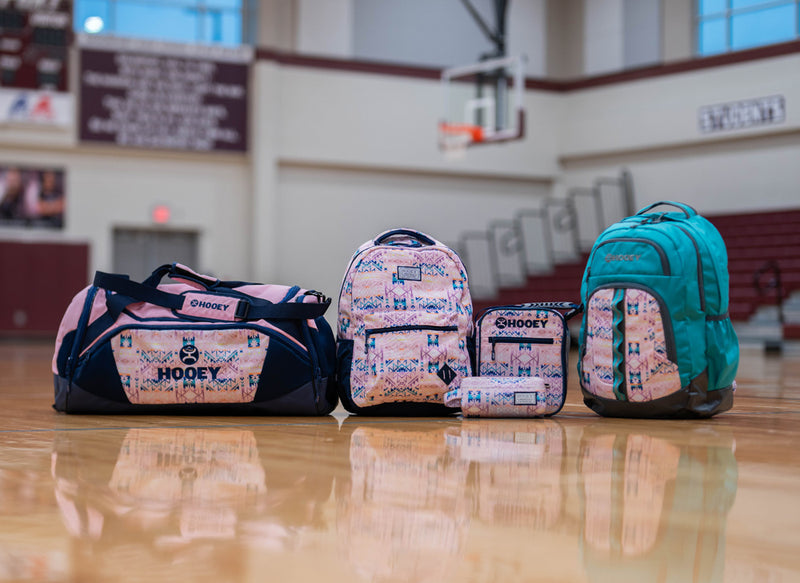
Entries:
{"x":409,"y":363}
{"x":629,"y":350}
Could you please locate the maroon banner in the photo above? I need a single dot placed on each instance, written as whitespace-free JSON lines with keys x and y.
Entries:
{"x":160,"y":101}
{"x":33,"y":43}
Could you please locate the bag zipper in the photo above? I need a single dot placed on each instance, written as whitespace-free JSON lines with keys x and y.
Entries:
{"x":511,"y":340}
{"x":659,"y":249}
{"x":316,"y":376}
{"x":700,"y":280}
{"x":80,"y":333}
{"x":268,"y":332}
{"x":409,"y":327}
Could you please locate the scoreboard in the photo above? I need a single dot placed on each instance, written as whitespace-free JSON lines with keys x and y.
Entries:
{"x":34,"y":38}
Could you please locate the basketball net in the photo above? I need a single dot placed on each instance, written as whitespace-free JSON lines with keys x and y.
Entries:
{"x":454,"y":139}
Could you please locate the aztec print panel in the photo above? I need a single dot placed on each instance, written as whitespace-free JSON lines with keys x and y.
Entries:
{"x":598,"y":359}
{"x":190,"y":366}
{"x":641,"y":341}
{"x":524,"y":343}
{"x":388,"y":279}
{"x":649,"y":374}
{"x":407,"y":365}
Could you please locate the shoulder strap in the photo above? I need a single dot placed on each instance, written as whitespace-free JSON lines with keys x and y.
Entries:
{"x":127,"y":292}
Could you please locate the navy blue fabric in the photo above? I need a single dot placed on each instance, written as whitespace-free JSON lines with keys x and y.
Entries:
{"x":72,"y":398}
{"x":128,"y":292}
{"x":344,"y":357}
{"x":97,"y":373}
{"x":292,"y":381}
{"x":283,"y":371}
{"x":415,"y":235}
{"x":64,"y":351}
{"x":344,"y":364}
{"x":123,"y":285}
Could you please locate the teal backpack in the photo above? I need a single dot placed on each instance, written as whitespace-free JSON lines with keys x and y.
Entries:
{"x":656,"y":339}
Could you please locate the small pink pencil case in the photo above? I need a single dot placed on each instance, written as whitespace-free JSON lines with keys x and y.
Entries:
{"x":500,"y":397}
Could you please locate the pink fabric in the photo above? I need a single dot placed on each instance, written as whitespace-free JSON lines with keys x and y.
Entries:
{"x":69,"y":322}
{"x":501,"y":397}
{"x":405,"y":365}
{"x":273,"y":293}
{"x":183,"y":366}
{"x":598,"y":358}
{"x":649,"y":374}
{"x":206,"y":278}
{"x":209,"y":306}
{"x":519,"y":358}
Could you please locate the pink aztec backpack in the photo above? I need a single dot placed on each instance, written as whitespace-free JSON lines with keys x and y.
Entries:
{"x":404,"y":327}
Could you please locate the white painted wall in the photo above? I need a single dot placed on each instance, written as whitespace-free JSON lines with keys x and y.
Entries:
{"x":651,"y":127}
{"x":365,"y":120}
{"x":642,"y":25}
{"x":443,"y":34}
{"x":338,"y":156}
{"x":325,"y":27}
{"x":738,"y":176}
{"x":527,"y":34}
{"x":328,"y":212}
{"x":603,"y":34}
{"x":420,"y":32}
{"x":108,"y":187}
{"x":662,"y":111}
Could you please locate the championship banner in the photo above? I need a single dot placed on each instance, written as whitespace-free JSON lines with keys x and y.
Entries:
{"x":164,"y":96}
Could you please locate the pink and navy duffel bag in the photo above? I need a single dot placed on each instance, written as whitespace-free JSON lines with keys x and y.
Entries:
{"x":199,"y":345}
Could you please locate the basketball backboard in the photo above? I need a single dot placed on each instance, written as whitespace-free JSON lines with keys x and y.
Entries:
{"x":483,"y":103}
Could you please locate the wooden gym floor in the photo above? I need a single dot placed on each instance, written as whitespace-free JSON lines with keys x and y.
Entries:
{"x":573,"y":498}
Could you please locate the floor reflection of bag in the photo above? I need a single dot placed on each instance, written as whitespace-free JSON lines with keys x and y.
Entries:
{"x":403,"y":514}
{"x":653,"y":506}
{"x":517,"y":470}
{"x":183,"y":487}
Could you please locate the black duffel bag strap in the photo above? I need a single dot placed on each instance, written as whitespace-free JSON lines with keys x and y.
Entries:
{"x":178,"y":271}
{"x":127,"y":292}
{"x":258,"y":309}
{"x":140,"y":292}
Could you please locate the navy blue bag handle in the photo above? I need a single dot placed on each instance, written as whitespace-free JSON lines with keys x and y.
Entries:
{"x":415,"y":235}
{"x":128,"y":292}
{"x":177,"y":271}
{"x":687,"y":210}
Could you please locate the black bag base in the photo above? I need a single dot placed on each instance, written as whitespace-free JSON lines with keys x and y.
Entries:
{"x":691,"y":402}
{"x":70,"y":398}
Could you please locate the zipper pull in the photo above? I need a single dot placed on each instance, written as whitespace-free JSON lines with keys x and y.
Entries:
{"x":492,"y":340}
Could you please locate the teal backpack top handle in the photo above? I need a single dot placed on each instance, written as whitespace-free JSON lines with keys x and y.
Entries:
{"x":687,"y":210}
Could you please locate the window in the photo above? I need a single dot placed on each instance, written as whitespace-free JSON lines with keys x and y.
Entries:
{"x":189,"y":21}
{"x":731,"y":25}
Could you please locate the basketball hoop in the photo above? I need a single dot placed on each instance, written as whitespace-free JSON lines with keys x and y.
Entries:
{"x":454,"y":139}
{"x":483,"y":103}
